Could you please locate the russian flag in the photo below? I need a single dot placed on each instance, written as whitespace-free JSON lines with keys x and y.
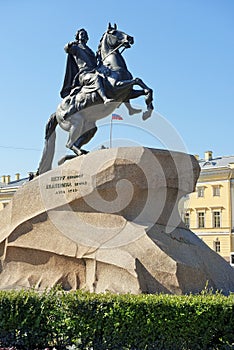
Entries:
{"x":116,"y":117}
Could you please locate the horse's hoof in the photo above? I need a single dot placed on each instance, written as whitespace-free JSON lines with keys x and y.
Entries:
{"x":147,"y":114}
{"x":83,"y":151}
{"x":134,"y":111}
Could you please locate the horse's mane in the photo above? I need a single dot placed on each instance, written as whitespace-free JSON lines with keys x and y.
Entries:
{"x":100,"y":44}
{"x":98,"y":53}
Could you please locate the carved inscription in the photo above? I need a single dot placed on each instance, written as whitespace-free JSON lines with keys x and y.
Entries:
{"x":66,"y":183}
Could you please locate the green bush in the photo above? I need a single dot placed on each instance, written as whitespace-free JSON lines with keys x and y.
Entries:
{"x":54,"y":318}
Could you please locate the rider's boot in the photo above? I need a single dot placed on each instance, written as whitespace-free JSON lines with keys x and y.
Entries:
{"x":102,"y":92}
{"x":105,"y":99}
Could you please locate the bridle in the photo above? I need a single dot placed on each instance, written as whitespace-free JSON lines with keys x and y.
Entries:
{"x":115,"y":49}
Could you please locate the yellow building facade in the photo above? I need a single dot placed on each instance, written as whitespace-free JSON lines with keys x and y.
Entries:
{"x":209,"y":211}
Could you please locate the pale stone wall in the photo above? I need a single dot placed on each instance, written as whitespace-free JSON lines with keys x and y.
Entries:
{"x":109,"y":221}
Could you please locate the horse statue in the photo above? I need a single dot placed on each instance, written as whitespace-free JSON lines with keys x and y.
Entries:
{"x":81,"y":108}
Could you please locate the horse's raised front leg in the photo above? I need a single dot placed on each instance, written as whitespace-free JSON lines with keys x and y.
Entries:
{"x":133,"y":94}
{"x":131,"y":109}
{"x":124,"y":84}
{"x":148,"y":92}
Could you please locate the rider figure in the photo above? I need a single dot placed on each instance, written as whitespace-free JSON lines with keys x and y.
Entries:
{"x":81,"y":70}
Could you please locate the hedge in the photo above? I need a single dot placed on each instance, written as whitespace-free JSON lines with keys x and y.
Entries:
{"x":54,"y":318}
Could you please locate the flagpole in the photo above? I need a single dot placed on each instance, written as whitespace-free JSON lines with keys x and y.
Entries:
{"x":111,"y":133}
{"x":113,"y":117}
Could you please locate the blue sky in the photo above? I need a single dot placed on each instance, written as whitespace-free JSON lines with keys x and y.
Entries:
{"x":184,"y":50}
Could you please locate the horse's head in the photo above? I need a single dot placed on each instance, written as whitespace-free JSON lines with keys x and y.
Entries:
{"x":116,"y":38}
{"x":108,"y":53}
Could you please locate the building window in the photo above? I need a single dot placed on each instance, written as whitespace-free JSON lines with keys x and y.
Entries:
{"x":216,"y":191}
{"x":216,"y":219}
{"x":187,"y":219}
{"x":201,"y":219}
{"x":200,"y":191}
{"x":217,"y":246}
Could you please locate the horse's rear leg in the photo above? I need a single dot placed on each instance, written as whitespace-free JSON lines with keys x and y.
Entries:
{"x":85,"y":138}
{"x":76,"y":130}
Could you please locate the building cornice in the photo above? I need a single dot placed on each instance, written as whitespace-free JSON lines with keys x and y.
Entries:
{"x":226,"y":233}
{"x":216,"y":174}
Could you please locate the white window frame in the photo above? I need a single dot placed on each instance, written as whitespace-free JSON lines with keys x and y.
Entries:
{"x":198,"y":218}
{"x":217,"y":245}
{"x":214,"y":219}
{"x":216,"y":190}
{"x":200,"y":191}
{"x":187,"y":219}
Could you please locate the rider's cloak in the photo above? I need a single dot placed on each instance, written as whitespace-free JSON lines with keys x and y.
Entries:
{"x":70,"y":73}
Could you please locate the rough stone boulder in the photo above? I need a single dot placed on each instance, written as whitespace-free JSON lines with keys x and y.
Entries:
{"x":108,"y":221}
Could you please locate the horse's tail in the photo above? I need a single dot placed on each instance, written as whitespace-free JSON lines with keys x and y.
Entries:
{"x":49,"y":146}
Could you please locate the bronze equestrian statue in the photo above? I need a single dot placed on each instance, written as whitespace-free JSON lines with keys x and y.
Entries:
{"x":94,"y":86}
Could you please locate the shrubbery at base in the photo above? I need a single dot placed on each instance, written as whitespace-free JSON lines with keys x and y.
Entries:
{"x":54,"y":318}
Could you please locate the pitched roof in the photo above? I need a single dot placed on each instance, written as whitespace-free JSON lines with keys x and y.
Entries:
{"x":216,"y":162}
